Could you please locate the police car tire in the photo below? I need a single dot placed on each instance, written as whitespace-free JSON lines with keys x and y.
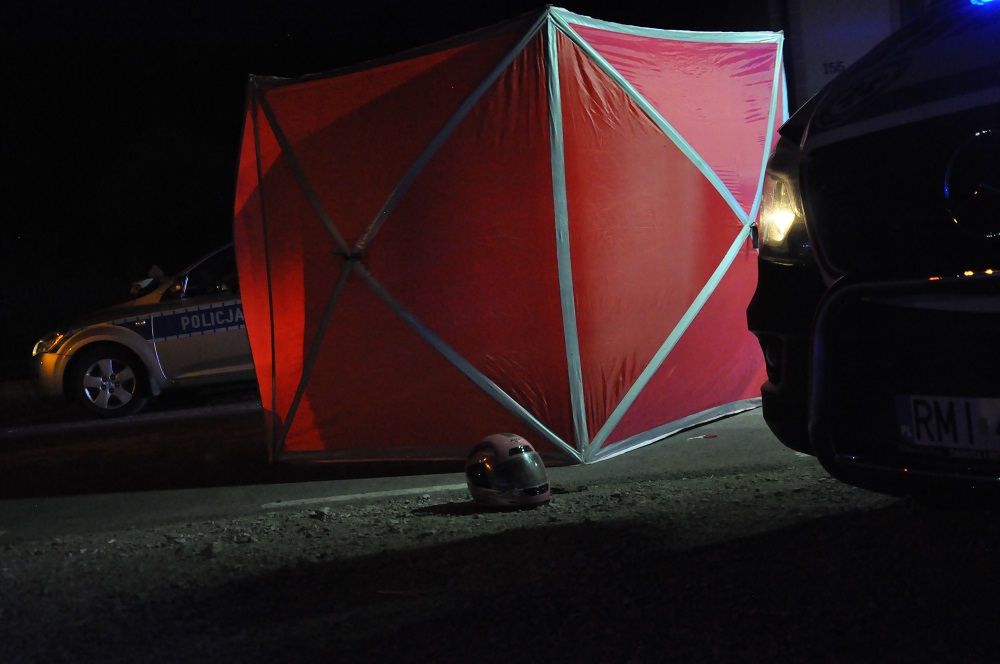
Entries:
{"x":106,"y":395}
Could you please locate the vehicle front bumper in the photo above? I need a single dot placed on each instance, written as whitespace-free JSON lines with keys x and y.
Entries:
{"x":780,"y":315}
{"x":877,"y":347}
{"x":47,"y":372}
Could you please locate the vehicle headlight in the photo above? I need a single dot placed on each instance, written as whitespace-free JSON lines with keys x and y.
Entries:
{"x":48,"y":344}
{"x":781,"y":221}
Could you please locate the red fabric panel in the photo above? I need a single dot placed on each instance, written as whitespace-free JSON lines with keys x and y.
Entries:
{"x":251,"y":259}
{"x":286,"y":267}
{"x":302,"y":269}
{"x":377,"y":385}
{"x":270,"y":282}
{"x":716,"y":362}
{"x":471,"y":248}
{"x":305,"y":270}
{"x":716,"y":95}
{"x":306,"y":108}
{"x":646,"y":230}
{"x":356,"y":135}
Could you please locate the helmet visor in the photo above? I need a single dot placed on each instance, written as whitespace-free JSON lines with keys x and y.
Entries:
{"x":524,"y":470}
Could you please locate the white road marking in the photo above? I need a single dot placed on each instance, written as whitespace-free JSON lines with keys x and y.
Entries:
{"x":355,"y":496}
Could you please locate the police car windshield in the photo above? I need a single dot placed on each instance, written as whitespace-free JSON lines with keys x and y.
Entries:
{"x":216,"y":274}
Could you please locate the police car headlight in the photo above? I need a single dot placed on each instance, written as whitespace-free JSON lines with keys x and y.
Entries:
{"x":48,"y":344}
{"x":781,"y":221}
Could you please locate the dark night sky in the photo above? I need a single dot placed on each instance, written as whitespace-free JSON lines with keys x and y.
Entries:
{"x":123,"y":122}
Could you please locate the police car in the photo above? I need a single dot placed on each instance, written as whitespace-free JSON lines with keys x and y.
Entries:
{"x":186,"y":331}
{"x":877,"y":305}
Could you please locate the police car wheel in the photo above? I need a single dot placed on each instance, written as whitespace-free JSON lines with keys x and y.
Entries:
{"x":108,"y":382}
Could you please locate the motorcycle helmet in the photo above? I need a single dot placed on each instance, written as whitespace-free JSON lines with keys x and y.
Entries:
{"x":504,"y":470}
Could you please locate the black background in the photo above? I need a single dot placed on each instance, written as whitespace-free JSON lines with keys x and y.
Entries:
{"x":123,"y":119}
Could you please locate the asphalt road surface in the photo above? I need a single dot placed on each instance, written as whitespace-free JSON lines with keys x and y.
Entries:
{"x":716,"y":545}
{"x":204,"y":438}
{"x":195,"y":443}
{"x":50,"y":448}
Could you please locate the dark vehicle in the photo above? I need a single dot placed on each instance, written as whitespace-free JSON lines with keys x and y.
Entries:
{"x":878,"y":299}
{"x":185,"y":331}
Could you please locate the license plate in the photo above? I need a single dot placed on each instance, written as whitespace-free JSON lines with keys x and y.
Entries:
{"x":965,"y":426}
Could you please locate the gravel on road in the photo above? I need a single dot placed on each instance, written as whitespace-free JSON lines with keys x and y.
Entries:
{"x":779,"y":565}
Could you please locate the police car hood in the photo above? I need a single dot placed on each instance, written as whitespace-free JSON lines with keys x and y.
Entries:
{"x":138,"y":307}
{"x":878,"y":141}
{"x":944,"y":61}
